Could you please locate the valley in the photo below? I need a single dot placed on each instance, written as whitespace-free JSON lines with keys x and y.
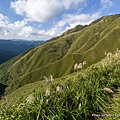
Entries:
{"x":11,"y":48}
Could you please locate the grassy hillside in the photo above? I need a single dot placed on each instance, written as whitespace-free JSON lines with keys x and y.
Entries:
{"x":57,"y":56}
{"x":75,"y":29}
{"x":91,"y":93}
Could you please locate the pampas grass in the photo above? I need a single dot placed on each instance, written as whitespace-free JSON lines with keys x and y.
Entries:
{"x":45,"y":78}
{"x":75,"y":67}
{"x":47,"y":93}
{"x":108,"y":90}
{"x":51,"y":78}
{"x":30,"y":99}
{"x":58,"y":89}
{"x":79,"y":66}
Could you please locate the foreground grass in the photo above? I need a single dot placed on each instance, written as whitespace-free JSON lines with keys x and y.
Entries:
{"x":84,"y":95}
{"x":114,"y":110}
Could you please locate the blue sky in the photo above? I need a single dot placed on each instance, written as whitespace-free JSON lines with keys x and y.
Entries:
{"x":43,"y":19}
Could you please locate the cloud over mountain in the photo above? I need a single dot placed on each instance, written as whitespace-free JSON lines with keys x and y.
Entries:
{"x":44,"y":19}
{"x":43,"y":11}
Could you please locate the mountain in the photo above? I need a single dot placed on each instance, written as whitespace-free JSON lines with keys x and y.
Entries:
{"x":6,"y":55}
{"x":90,"y":94}
{"x":75,"y":29}
{"x":11,"y":48}
{"x":58,"y":55}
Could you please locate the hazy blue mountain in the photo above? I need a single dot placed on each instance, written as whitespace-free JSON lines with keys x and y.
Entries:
{"x":11,"y":48}
{"x":6,"y":55}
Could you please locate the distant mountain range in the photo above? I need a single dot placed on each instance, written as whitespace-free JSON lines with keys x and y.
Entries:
{"x":58,"y":55}
{"x":11,"y":48}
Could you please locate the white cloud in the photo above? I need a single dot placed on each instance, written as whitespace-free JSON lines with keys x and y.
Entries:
{"x":4,"y":20}
{"x":41,"y":11}
{"x":19,"y":24}
{"x":5,"y":32}
{"x":67,"y":3}
{"x":51,"y":32}
{"x":18,"y":29}
{"x":82,"y":19}
{"x":57,"y":29}
{"x":22,"y":29}
{"x":106,"y":3}
{"x":29,"y":32}
{"x":68,"y":21}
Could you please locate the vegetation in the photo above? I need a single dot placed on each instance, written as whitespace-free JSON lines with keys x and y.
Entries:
{"x":86,"y":94}
{"x":2,"y":89}
{"x":58,"y":56}
{"x":78,"y":83}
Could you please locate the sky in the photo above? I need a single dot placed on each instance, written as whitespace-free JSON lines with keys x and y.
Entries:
{"x":44,"y":19}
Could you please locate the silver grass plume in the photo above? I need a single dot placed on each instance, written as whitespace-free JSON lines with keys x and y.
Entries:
{"x":108,"y":90}
{"x":109,"y":54}
{"x":58,"y":89}
{"x":47,"y":93}
{"x":30,"y":99}
{"x":75,"y":66}
{"x":84,"y":62}
{"x":80,"y":65}
{"x":51,"y":78}
{"x":46,"y":78}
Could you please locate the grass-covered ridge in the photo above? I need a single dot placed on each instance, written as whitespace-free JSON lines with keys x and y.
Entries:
{"x":83,"y":95}
{"x":58,"y":56}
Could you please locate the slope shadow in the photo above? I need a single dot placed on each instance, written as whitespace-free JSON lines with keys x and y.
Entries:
{"x":2,"y":89}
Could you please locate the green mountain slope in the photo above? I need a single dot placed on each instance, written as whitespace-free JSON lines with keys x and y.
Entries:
{"x":57,"y":56}
{"x":89,"y":94}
